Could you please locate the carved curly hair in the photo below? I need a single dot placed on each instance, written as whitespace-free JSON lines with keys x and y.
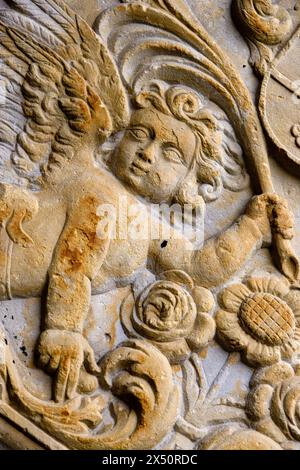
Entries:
{"x":217,"y":163}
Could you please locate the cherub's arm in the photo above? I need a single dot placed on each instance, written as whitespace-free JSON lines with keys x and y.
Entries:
{"x":221,"y":257}
{"x":78,"y":256}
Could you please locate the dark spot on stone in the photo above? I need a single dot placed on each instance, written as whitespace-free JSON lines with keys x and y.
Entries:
{"x":12,"y":317}
{"x":23,"y":349}
{"x":164,"y":244}
{"x":5,"y":341}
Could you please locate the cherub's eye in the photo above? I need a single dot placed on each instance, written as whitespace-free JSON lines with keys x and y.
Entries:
{"x":173,"y":154}
{"x":139,"y":133}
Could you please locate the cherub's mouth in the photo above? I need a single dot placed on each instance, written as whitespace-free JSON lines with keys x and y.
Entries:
{"x":138,"y":168}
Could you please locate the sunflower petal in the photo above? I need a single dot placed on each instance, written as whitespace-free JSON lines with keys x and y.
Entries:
{"x":258,"y":354}
{"x":272,"y":285}
{"x":293,"y":300}
{"x":230,"y":332}
{"x":233,"y":296}
{"x":290,"y":348}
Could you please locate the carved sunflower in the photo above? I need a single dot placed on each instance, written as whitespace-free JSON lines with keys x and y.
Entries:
{"x":260,"y":318}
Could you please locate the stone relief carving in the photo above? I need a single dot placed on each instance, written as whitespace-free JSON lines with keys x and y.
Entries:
{"x":265,"y":25}
{"x":145,"y":112}
{"x":272,"y":33}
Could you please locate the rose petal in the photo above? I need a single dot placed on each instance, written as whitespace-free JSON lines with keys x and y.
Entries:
{"x":233,"y":296}
{"x":270,"y":429}
{"x":230,"y":332}
{"x":127,"y":309}
{"x":176,"y":351}
{"x":248,"y":440}
{"x":273,"y":285}
{"x":291,"y":393}
{"x":178,"y":277}
{"x":221,"y":433}
{"x":286,"y":395}
{"x":258,"y":402}
{"x":273,"y":374}
{"x":203,"y":332}
{"x":204,"y":299}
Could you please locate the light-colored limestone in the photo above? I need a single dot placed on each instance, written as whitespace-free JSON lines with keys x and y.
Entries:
{"x":146,"y":109}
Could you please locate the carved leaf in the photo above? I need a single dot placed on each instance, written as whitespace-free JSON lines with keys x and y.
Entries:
{"x":264,"y":25}
{"x":131,"y":373}
{"x":263,"y":21}
{"x":146,"y":392}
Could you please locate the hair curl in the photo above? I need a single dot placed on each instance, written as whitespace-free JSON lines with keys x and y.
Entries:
{"x":217,"y":163}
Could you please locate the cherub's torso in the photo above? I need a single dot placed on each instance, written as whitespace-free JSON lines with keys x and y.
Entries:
{"x":30,"y":266}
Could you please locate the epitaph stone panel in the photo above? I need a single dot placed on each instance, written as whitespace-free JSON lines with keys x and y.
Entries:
{"x":149,"y":224}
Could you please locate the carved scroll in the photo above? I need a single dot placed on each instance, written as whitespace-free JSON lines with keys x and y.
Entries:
{"x":264,"y":24}
{"x":131,"y":373}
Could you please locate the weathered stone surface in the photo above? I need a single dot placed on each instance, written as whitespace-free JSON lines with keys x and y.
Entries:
{"x":149,"y":225}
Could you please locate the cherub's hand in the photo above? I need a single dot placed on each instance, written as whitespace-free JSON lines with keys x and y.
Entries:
{"x":272,"y":216}
{"x":63,"y":353}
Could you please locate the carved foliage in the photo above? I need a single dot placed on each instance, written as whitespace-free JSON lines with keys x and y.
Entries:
{"x":264,"y":24}
{"x":131,"y":373}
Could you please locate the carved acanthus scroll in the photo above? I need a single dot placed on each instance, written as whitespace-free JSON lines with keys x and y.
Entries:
{"x":131,"y":373}
{"x":264,"y":25}
{"x":70,"y":89}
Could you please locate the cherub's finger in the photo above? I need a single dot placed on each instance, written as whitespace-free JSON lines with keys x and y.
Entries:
{"x":90,"y":362}
{"x":73,"y":379}
{"x":62,"y":379}
{"x":273,"y":198}
{"x":43,"y":360}
{"x":53,"y":363}
{"x":283,"y":221}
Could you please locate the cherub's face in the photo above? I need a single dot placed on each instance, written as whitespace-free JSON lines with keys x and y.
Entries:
{"x":154,"y":155}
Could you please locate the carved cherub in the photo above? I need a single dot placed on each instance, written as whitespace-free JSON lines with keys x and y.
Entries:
{"x":66,"y":89}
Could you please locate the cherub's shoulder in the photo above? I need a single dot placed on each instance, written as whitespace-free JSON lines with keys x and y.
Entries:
{"x":97,"y":184}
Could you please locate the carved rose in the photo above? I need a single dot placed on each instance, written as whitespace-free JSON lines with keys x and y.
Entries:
{"x":261,"y":319}
{"x":167,"y":315}
{"x":273,"y":403}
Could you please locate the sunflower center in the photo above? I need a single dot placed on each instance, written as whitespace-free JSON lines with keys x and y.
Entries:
{"x":267,"y":318}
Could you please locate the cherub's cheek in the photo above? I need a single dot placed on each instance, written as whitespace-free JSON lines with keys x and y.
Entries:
{"x":156,"y":179}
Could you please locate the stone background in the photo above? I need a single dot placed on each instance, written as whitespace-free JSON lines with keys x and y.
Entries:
{"x":216,"y":17}
{"x":22,"y":316}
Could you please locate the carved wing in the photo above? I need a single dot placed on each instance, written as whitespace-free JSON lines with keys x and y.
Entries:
{"x":58,"y":85}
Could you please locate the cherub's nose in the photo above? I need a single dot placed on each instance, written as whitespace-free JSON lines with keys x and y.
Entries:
{"x":148,"y":153}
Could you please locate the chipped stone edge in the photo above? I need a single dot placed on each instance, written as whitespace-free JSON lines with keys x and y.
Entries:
{"x":19,"y":433}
